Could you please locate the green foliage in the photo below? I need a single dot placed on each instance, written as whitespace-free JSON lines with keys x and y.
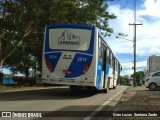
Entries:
{"x":2,"y":86}
{"x":15,"y":25}
{"x":20,"y":61}
{"x":23,"y":23}
{"x":124,"y":80}
{"x":139,"y":77}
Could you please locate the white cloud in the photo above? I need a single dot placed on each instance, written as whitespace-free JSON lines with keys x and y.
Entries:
{"x":120,"y":25}
{"x":148,"y":35}
{"x":127,"y":67}
{"x":151,"y":8}
{"x":130,"y":64}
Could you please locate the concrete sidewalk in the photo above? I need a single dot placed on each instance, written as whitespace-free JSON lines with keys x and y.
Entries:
{"x":140,"y":99}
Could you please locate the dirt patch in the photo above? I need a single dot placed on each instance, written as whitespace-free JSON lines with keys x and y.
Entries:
{"x":139,"y":99}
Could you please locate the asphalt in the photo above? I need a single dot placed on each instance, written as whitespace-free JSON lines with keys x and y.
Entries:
{"x":137,"y":103}
{"x":88,"y":102}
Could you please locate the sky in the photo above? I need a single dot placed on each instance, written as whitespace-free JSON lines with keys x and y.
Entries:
{"x":147,"y":34}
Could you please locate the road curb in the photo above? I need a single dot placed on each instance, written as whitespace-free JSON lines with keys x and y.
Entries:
{"x":124,"y":92}
{"x":90,"y":116}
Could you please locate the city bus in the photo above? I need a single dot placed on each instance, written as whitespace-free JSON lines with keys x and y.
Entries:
{"x":78,"y":56}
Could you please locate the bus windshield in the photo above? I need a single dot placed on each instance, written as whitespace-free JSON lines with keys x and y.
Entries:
{"x":69,"y":39}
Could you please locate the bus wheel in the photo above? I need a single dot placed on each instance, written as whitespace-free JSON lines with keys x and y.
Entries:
{"x":114,"y":87}
{"x":75,"y":89}
{"x":105,"y":90}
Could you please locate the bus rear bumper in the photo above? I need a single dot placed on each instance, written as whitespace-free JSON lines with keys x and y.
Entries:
{"x":86,"y":81}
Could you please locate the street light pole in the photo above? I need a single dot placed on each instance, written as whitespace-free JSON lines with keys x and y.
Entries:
{"x":134,"y":43}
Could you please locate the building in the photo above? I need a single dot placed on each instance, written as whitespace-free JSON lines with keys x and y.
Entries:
{"x":153,"y":64}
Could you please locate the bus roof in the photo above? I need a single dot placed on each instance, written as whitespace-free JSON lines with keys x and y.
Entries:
{"x":81,"y":26}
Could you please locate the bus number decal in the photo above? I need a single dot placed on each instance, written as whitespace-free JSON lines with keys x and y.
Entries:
{"x":53,"y":57}
{"x":82,"y":59}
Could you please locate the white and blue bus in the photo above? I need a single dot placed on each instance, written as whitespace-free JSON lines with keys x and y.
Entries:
{"x":78,"y":56}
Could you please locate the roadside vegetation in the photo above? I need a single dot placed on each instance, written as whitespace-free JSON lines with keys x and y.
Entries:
{"x":125,"y":80}
{"x":19,"y":87}
{"x":2,"y":87}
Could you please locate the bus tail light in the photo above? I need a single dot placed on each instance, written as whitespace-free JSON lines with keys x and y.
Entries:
{"x":49,"y":66}
{"x":86,"y":67}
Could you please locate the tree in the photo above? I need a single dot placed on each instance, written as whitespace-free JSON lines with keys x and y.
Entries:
{"x":139,"y":77}
{"x":23,"y":25}
{"x":124,"y":80}
{"x":20,"y":61}
{"x":16,"y":24}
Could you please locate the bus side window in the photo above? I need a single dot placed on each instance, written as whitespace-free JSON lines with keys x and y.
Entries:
{"x":116,"y":65}
{"x":119,"y":67}
{"x":103,"y":56}
{"x":99,"y":54}
{"x":110,"y":56}
{"x":99,"y":48}
{"x":107,"y":57}
{"x":99,"y":42}
{"x":103,"y":51}
{"x":113,"y":62}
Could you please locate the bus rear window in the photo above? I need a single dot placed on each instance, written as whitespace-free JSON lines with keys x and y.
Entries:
{"x":69,"y":39}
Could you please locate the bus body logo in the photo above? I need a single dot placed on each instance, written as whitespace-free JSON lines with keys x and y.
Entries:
{"x":68,"y":39}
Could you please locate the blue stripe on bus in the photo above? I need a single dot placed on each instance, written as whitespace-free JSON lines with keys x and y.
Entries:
{"x":107,"y":70}
{"x":53,"y":58}
{"x":78,"y":64}
{"x":99,"y":75}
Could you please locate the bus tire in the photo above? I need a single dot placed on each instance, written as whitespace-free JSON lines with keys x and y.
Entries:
{"x":105,"y":90}
{"x":114,"y":87}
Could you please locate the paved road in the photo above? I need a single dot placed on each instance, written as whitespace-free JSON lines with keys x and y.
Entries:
{"x":61,"y":102}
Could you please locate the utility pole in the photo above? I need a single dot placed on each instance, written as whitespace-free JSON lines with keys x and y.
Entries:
{"x":134,"y":43}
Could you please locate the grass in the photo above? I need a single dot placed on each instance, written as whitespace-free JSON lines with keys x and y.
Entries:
{"x":17,"y":87}
{"x":8,"y":87}
{"x":2,"y":86}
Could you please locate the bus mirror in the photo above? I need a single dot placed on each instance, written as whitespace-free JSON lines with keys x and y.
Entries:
{"x":109,"y":61}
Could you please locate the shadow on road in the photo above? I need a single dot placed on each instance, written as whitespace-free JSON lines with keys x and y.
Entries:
{"x":47,"y":94}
